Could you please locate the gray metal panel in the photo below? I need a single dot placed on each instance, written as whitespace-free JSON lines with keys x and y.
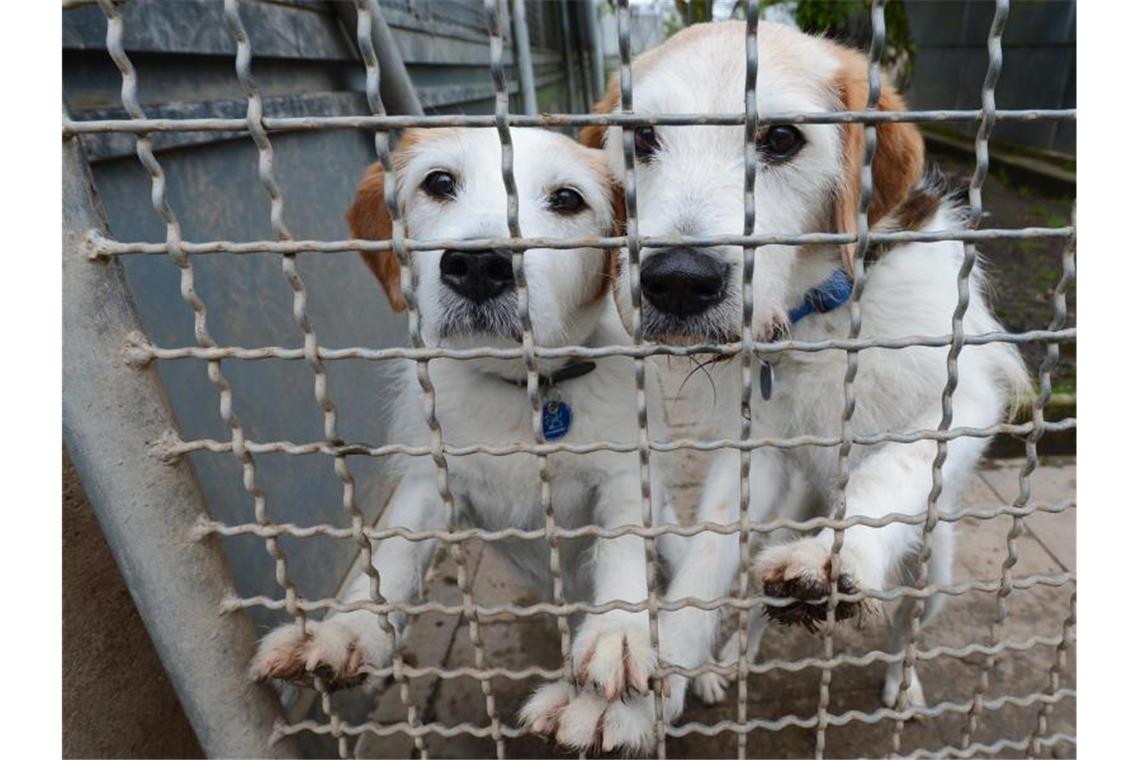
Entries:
{"x":446,"y":49}
{"x":444,"y":46}
{"x":305,"y":64}
{"x":216,"y":194}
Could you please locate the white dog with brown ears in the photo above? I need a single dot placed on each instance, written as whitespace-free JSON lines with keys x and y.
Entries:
{"x":450,"y":186}
{"x":690,"y":181}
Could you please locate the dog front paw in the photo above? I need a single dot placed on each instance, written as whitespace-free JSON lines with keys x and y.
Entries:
{"x":586,"y":722}
{"x":543,"y":711}
{"x":892,"y":686}
{"x":612,"y":654}
{"x":802,"y":572}
{"x":328,"y":650}
{"x":710,"y":688}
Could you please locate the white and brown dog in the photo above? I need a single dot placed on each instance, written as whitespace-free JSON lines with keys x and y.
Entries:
{"x":690,"y":181}
{"x":450,"y":186}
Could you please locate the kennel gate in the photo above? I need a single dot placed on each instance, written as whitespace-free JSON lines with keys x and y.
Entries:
{"x":154,"y":513}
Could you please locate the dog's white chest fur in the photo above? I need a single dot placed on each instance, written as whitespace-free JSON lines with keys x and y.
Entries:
{"x":504,"y":491}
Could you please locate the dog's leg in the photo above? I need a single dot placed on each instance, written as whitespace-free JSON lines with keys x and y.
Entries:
{"x":705,"y":572}
{"x":711,"y":688}
{"x":712,"y":560}
{"x":940,"y":572}
{"x":340,"y":647}
{"x":670,"y":547}
{"x":611,"y":650}
{"x":706,"y":569}
{"x":895,"y":479}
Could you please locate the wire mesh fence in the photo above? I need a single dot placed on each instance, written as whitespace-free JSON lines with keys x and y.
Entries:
{"x":498,"y":726}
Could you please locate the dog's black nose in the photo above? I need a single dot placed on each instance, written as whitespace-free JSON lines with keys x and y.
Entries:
{"x":477,"y":275}
{"x":683,"y":282}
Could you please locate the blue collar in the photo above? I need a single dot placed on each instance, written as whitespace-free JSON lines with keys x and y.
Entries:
{"x":829,"y":295}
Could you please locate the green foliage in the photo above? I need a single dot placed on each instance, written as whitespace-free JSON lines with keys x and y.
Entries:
{"x":825,"y":16}
{"x":849,"y":21}
{"x":689,"y":12}
{"x":694,"y":11}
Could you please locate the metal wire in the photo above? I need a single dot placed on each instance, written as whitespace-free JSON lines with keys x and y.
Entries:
{"x":508,"y":611}
{"x":102,"y":247}
{"x":1036,"y":740}
{"x":309,"y":123}
{"x":862,"y":246}
{"x":752,"y":62}
{"x":259,"y":128}
{"x":1045,"y":381}
{"x":141,"y":351}
{"x":633,"y":248}
{"x":789,"y":666}
{"x":702,"y":729}
{"x":981,"y":152}
{"x":495,"y":10}
{"x":378,"y":534}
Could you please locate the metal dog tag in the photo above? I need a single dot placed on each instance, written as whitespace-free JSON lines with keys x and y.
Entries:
{"x":556,"y":419}
{"x":766,"y":377}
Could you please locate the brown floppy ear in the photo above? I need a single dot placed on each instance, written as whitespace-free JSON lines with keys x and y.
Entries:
{"x":613,"y":255}
{"x":899,"y":152}
{"x":593,"y":135}
{"x":369,"y":220}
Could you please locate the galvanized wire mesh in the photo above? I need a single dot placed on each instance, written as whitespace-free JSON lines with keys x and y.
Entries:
{"x":497,"y":727}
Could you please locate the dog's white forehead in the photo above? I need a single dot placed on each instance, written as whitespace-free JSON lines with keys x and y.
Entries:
{"x":702,"y":70}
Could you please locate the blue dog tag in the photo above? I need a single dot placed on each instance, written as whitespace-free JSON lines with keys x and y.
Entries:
{"x":556,"y":419}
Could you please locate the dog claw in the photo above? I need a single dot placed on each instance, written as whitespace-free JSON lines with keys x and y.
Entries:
{"x":614,"y":659}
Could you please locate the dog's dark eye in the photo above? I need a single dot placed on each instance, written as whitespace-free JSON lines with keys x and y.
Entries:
{"x":645,"y":142}
{"x":781,"y":142}
{"x":566,"y":201}
{"x":439,"y":185}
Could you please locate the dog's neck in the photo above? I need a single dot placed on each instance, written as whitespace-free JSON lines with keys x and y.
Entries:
{"x":572,"y":369}
{"x":558,"y":369}
{"x":830,"y":294}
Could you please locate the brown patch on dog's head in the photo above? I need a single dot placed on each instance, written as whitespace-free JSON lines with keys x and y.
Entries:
{"x":917,"y":210}
{"x":899,"y":151}
{"x":368,"y":219}
{"x":922,"y":203}
{"x":611,"y":269}
{"x":593,"y":135}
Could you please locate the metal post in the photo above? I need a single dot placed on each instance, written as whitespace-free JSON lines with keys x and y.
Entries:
{"x":522,"y":56}
{"x":593,"y":30}
{"x":396,"y":88}
{"x":588,"y":95}
{"x":568,"y":56}
{"x":148,"y":510}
